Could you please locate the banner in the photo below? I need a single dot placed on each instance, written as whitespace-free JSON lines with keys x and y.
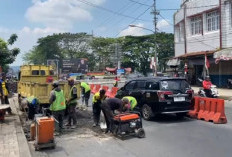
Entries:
{"x":79,"y":65}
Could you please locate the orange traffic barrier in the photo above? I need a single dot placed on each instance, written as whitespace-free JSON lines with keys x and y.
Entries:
{"x":112,"y":92}
{"x":204,"y":109}
{"x":105,"y":88}
{"x":209,"y":109}
{"x":96,"y":89}
{"x":193,"y":113}
{"x":91,"y":86}
{"x":220,"y":117}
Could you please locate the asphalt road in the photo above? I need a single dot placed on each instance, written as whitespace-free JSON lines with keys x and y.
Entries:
{"x":166,"y":136}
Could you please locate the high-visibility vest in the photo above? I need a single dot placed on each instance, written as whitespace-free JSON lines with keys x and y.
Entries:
{"x":74,"y":101}
{"x":96,"y":97}
{"x":59,"y":103}
{"x":85,"y":86}
{"x":132,"y":100}
{"x":5,"y":91}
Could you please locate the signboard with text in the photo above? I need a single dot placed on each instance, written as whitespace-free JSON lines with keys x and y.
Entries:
{"x":79,"y":65}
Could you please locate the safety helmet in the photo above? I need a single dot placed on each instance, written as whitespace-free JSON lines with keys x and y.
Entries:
{"x":207,"y":77}
{"x":125,"y":100}
{"x":55,"y":84}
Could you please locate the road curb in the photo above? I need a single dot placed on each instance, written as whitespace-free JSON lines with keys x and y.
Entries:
{"x":23,"y":146}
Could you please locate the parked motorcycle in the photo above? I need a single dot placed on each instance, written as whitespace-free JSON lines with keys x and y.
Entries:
{"x":213,"y":88}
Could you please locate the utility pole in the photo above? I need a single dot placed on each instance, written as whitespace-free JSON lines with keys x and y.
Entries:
{"x":155,"y":12}
{"x":118,"y":55}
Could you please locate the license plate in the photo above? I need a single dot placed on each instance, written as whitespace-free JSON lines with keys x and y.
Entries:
{"x":178,"y":99}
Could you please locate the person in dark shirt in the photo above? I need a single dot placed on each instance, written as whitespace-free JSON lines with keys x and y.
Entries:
{"x":108,"y":108}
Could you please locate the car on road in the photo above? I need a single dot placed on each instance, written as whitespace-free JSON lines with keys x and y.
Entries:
{"x":159,"y":95}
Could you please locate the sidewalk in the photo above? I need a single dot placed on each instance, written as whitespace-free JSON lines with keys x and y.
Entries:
{"x":223,"y":92}
{"x":13,"y":142}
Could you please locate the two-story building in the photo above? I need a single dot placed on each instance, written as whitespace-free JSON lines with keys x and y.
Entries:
{"x":205,"y":27}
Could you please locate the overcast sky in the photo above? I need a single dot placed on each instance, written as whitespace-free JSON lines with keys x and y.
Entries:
{"x":32,"y":19}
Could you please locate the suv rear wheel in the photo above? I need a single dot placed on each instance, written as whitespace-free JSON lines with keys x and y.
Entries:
{"x":147,"y":112}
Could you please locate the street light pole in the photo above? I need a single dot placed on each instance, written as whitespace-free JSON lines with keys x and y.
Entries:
{"x":155,"y":12}
{"x":154,"y":69}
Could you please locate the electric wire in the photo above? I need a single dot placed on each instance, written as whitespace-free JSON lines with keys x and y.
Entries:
{"x":134,"y":20}
{"x":108,"y":10}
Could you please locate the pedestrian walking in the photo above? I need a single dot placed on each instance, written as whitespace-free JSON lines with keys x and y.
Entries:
{"x":4,"y":92}
{"x":57,"y":101}
{"x":85,"y":93}
{"x":97,"y":101}
{"x":71,"y":104}
{"x":108,"y":108}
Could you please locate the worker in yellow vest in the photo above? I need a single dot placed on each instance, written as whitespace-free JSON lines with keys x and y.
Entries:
{"x":130,"y":103}
{"x":4,"y":91}
{"x":85,"y":93}
{"x":71,"y":104}
{"x":57,"y":101}
{"x":97,"y":101}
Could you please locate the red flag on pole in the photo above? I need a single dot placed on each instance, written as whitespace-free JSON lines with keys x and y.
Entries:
{"x":207,"y":65}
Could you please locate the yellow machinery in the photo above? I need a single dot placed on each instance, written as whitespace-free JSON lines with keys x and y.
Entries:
{"x":33,"y":83}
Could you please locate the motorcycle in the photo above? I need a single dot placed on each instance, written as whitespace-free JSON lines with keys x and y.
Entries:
{"x":213,"y":88}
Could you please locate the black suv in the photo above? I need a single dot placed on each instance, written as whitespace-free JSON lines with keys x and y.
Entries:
{"x":159,"y":95}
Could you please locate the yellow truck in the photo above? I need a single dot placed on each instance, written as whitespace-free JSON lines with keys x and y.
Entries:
{"x":36,"y":81}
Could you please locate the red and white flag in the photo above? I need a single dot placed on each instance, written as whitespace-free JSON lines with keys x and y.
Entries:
{"x":207,"y":65}
{"x":152,"y":64}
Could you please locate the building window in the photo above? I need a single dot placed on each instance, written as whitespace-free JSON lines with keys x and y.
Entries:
{"x":196,"y":25}
{"x":212,"y":21}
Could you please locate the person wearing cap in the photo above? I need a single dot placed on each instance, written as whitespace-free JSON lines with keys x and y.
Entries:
{"x":57,"y":101}
{"x":129,"y":102}
{"x":4,"y":92}
{"x":85,"y":92}
{"x":97,"y":101}
{"x":71,"y":104}
{"x":207,"y":85}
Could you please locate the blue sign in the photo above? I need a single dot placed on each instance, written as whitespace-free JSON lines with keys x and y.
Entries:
{"x":120,"y":71}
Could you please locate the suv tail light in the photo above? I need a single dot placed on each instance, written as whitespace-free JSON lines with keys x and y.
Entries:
{"x":161,"y":94}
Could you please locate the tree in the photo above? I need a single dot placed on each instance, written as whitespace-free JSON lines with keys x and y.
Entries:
{"x":103,"y":49}
{"x":137,"y":51}
{"x":7,"y":56}
{"x":60,"y":46}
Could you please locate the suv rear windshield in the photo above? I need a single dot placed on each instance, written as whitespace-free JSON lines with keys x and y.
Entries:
{"x":174,"y":85}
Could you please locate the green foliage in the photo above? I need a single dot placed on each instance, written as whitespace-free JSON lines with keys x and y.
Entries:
{"x":103,"y":49}
{"x":137,"y":51}
{"x":7,"y":56}
{"x":100,"y":51}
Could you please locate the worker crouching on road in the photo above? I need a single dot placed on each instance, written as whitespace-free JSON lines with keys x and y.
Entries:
{"x":4,"y":92}
{"x":32,"y":104}
{"x":129,"y":102}
{"x":71,"y":104}
{"x":85,"y":92}
{"x":108,"y":108}
{"x":57,"y":101}
{"x":97,"y":101}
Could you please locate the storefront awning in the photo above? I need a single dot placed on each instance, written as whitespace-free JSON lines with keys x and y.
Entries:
{"x":173,"y":62}
{"x":225,"y":54}
{"x":193,"y":54}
